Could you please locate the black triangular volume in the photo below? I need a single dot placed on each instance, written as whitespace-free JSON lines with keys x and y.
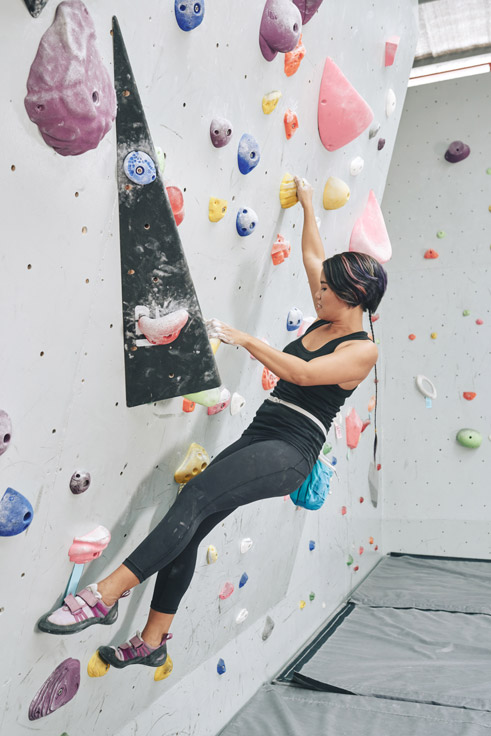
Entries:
{"x":154,"y":271}
{"x":35,"y":6}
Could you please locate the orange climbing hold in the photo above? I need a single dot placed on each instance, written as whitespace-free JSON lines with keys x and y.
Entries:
{"x":371,"y":404}
{"x":430,"y":253}
{"x":188,"y":406}
{"x":469,"y":395}
{"x":281,"y":249}
{"x":291,"y":123}
{"x":269,"y":380}
{"x":370,"y":541}
{"x":294,"y":58}
{"x":412,"y":337}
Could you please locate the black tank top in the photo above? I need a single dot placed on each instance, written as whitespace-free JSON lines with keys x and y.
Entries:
{"x":274,"y":421}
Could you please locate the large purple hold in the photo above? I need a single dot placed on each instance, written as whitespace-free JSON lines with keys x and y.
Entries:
{"x":60,"y":687}
{"x":281,"y":26}
{"x":457,"y":151}
{"x":70,"y":93}
{"x":307,"y":8}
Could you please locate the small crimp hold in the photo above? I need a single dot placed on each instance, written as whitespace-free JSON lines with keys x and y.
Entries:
{"x":281,"y":249}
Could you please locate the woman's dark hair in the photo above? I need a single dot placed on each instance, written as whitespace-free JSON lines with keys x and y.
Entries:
{"x":357,"y":279}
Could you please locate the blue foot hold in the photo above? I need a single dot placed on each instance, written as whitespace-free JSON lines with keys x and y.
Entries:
{"x":16,"y":513}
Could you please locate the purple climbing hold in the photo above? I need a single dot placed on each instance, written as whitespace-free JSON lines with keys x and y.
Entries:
{"x":307,"y":8}
{"x":80,"y":481}
{"x":281,"y":26}
{"x":248,"y":154}
{"x":457,"y":151}
{"x":60,"y":687}
{"x":381,"y":143}
{"x":243,"y":580}
{"x":220,"y":132}
{"x":35,"y":6}
{"x":189,"y":13}
{"x":221,"y":667}
{"x":70,"y":93}
{"x":5,"y":431}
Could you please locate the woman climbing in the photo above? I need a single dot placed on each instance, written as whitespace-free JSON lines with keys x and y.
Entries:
{"x":273,"y":457}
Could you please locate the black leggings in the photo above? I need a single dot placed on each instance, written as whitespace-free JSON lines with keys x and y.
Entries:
{"x":246,"y":471}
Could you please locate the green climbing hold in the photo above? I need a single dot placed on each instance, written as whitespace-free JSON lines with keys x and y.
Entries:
{"x":441,"y":234}
{"x":488,"y":171}
{"x":350,"y":561}
{"x":311,"y":596}
{"x":466,"y":312}
{"x":469,"y":438}
{"x":327,"y":448}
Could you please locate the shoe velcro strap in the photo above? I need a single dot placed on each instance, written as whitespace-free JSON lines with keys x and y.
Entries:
{"x":136,"y":642}
{"x":87,"y":595}
{"x":72,"y":603}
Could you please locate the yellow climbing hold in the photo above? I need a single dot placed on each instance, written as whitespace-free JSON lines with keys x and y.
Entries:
{"x":433,"y":335}
{"x":211,"y":554}
{"x":336,"y":193}
{"x":217,"y":209}
{"x":195,"y":461}
{"x":270,"y":101}
{"x":302,"y":604}
{"x":215,"y":344}
{"x":288,"y":192}
{"x":164,"y":670}
{"x":96,"y":667}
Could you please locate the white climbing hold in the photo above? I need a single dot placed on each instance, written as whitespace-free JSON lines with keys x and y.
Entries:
{"x":237,"y":403}
{"x":246,"y":545}
{"x":390,"y":102}
{"x":426,"y":387}
{"x":356,"y":166}
{"x":242,"y":615}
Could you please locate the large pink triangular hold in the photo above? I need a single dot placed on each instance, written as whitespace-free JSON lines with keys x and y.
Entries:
{"x":390,"y":49}
{"x":369,"y":234}
{"x":343,"y":114}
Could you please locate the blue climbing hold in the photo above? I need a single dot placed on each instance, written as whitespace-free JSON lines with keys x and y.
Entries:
{"x":189,"y":14}
{"x":248,"y":155}
{"x":246,"y":221}
{"x":311,"y":545}
{"x":334,"y":460}
{"x":243,"y":580}
{"x":294,"y":319}
{"x":139,"y":168}
{"x":15,"y":513}
{"x":221,"y":667}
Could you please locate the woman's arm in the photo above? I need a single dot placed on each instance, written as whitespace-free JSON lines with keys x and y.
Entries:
{"x":348,"y":363}
{"x":312,"y":247}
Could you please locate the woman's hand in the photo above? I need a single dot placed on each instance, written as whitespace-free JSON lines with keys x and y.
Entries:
{"x":304,"y":191}
{"x":225,"y":333}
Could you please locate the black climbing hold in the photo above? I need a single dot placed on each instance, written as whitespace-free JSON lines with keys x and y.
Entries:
{"x":35,"y":6}
{"x":154,"y":271}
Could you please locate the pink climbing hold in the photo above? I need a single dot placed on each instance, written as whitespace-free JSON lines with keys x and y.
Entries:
{"x":390,"y":49}
{"x":177,"y":203}
{"x":344,"y":510}
{"x":163,"y":330}
{"x":281,"y":26}
{"x":369,"y":234}
{"x":479,"y":322}
{"x":225,"y":397}
{"x":281,"y":249}
{"x":226,"y":591}
{"x":375,"y":317}
{"x":70,"y":93}
{"x":343,"y":114}
{"x":361,"y":550}
{"x":89,"y":547}
{"x":353,"y":429}
{"x":365,"y":424}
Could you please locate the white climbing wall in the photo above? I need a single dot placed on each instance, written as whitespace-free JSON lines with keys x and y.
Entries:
{"x":436,"y":492}
{"x":62,"y":373}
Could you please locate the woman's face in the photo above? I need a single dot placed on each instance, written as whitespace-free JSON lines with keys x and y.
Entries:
{"x":327,"y":303}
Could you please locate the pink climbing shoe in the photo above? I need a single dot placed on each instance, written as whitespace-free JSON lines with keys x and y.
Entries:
{"x":135,"y":651}
{"x":79,"y":612}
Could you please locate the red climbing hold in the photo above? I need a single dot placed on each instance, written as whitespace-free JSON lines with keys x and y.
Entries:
{"x":430,"y":253}
{"x":269,"y":380}
{"x":375,"y":317}
{"x":281,"y":249}
{"x":344,"y":510}
{"x":412,"y":337}
{"x":376,"y":547}
{"x":188,"y":406}
{"x":469,"y":395}
{"x":361,"y":550}
{"x":379,"y":466}
{"x":176,"y":202}
{"x":290,"y":121}
{"x":365,"y":424}
{"x":294,"y":58}
{"x":361,"y":499}
{"x":479,"y":322}
{"x":356,"y":568}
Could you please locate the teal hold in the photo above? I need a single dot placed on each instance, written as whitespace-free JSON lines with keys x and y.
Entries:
{"x":469,"y":438}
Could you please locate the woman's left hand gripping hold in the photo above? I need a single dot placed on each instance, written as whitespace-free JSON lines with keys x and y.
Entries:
{"x":224,"y":332}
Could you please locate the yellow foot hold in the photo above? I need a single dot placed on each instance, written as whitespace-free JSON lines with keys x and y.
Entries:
{"x":288,"y":192}
{"x":217,"y":209}
{"x":195,"y":461}
{"x":96,"y":667}
{"x":270,"y":101}
{"x":336,"y":193}
{"x":164,"y":670}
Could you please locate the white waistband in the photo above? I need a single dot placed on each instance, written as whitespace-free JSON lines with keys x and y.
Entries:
{"x":306,"y":413}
